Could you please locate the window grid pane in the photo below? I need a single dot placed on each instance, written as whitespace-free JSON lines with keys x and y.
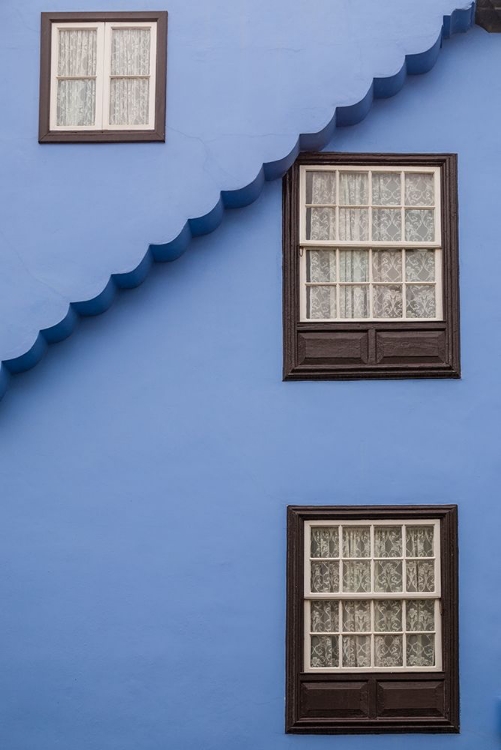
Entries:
{"x":372,"y":616}
{"x":361,"y":207}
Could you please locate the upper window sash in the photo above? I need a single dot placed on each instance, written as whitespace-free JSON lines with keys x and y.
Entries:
{"x":356,"y":169}
{"x":103,"y":76}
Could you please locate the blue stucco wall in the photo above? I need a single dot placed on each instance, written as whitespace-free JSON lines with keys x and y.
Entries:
{"x":147,"y":462}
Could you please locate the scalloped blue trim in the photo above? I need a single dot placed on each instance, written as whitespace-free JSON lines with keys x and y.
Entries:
{"x":460,"y":20}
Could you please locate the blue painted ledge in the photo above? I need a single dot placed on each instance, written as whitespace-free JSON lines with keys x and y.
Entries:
{"x":460,"y":20}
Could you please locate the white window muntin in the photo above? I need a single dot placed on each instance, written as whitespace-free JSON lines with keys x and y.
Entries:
{"x":103,"y":75}
{"x":371,"y":595}
{"x":370,"y":244}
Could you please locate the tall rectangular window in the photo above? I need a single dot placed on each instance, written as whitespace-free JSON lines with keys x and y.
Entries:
{"x":103,"y":76}
{"x":372,"y":619}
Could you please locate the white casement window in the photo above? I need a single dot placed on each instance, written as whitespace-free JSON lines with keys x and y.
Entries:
{"x":372,"y":596}
{"x":370,"y":243}
{"x":103,"y":76}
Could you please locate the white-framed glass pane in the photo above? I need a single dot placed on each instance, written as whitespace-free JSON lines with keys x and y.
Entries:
{"x":324,"y":651}
{"x":356,"y":576}
{"x":421,"y":301}
{"x":420,"y":614}
{"x":386,"y":189}
{"x":387,"y":265}
{"x":420,"y":265}
{"x":321,"y":224}
{"x":76,"y":102}
{"x":356,"y":651}
{"x":324,"y":617}
{"x":387,"y":301}
{"x":130,"y":51}
{"x":420,"y":576}
{"x":353,"y":265}
{"x":388,"y":650}
{"x":386,"y":224}
{"x":353,"y":302}
{"x":77,"y":52}
{"x":356,"y":541}
{"x":356,"y":616}
{"x":320,"y":187}
{"x":388,"y":616}
{"x":388,"y":541}
{"x":353,"y":188}
{"x":353,"y":224}
{"x":321,"y":265}
{"x":420,"y":650}
{"x":387,"y":576}
{"x":324,"y":541}
{"x":419,"y":541}
{"x":419,"y":189}
{"x":129,"y":101}
{"x":419,"y":225}
{"x":324,"y":577}
{"x":321,"y":302}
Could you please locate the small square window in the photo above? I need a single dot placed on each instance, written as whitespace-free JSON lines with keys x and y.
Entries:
{"x":103,"y":77}
{"x":371,"y":267}
{"x":372,"y":619}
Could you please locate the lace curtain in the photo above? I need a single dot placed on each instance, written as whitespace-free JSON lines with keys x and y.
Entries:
{"x":76,"y":96}
{"x":129,"y":84}
{"x":129,"y":97}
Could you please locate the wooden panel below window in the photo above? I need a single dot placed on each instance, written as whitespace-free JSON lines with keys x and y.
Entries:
{"x":422,"y":698}
{"x":411,"y":347}
{"x":346,"y":699}
{"x":333,"y":348}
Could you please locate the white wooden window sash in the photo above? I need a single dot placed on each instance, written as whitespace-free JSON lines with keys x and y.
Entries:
{"x":372,"y":596}
{"x":370,"y":244}
{"x":103,"y":75}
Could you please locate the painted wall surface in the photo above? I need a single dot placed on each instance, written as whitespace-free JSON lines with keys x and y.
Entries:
{"x":146,"y":464}
{"x":245,"y":79}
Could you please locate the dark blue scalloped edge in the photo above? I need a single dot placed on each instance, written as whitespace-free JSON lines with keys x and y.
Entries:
{"x":459,"y":21}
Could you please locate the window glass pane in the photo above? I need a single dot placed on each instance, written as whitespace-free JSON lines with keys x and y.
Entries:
{"x":357,"y":617}
{"x":356,"y":541}
{"x":419,"y":225}
{"x":387,"y":265}
{"x":325,"y":541}
{"x":320,"y":187}
{"x":420,"y":575}
{"x":129,"y":101}
{"x":354,"y":302}
{"x":356,"y":577}
{"x":421,"y":301}
{"x":419,"y":189}
{"x":354,"y":265}
{"x":420,"y":614}
{"x":130,"y":52}
{"x":324,"y":577}
{"x":76,"y":102}
{"x":77,"y":52}
{"x":324,"y":651}
{"x":388,"y":541}
{"x":321,"y":265}
{"x":320,"y":302}
{"x":386,"y":224}
{"x":387,"y":301}
{"x":320,"y":223}
{"x":419,"y":541}
{"x":353,"y":224}
{"x":325,"y":617}
{"x":388,"y":651}
{"x":386,"y":190}
{"x":420,"y":650}
{"x":387,"y":576}
{"x":388,"y":616}
{"x":353,"y":189}
{"x":420,"y":265}
{"x":356,"y":651}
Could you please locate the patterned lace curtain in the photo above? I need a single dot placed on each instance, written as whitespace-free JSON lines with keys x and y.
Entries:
{"x":129,"y":93}
{"x":76,"y":95}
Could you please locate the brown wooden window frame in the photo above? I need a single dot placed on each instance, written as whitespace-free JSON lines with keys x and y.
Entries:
{"x":46,"y":135}
{"x":344,"y":350}
{"x":372,"y":702}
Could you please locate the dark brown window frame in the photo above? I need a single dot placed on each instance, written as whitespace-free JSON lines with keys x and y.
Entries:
{"x":436,"y":694}
{"x":46,"y":135}
{"x":376,"y":349}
